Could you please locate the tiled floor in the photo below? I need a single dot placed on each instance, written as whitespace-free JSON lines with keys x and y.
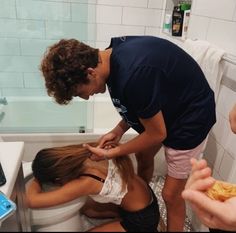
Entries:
{"x":157,"y":185}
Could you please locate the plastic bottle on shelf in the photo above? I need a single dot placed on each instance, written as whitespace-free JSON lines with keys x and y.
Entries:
{"x":177,"y":21}
{"x":178,"y":17}
{"x":167,"y":23}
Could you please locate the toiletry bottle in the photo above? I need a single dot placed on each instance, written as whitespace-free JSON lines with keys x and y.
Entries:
{"x":177,"y":21}
{"x":167,"y":23}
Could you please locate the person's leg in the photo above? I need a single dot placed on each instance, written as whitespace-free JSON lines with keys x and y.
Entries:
{"x":179,"y":168}
{"x":114,"y":226}
{"x":175,"y":205}
{"x":145,"y":162}
{"x":94,"y":209}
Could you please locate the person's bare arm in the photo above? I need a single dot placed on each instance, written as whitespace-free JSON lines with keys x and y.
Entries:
{"x":155,"y":133}
{"x":37,"y":198}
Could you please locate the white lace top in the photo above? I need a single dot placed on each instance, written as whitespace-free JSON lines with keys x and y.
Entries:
{"x":112,"y":188}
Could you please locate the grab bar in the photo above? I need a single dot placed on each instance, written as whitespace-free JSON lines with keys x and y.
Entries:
{"x":3,"y":101}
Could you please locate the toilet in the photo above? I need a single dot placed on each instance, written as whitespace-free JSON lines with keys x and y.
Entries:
{"x":64,"y":217}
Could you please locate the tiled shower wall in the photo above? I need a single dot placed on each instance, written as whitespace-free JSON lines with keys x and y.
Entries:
{"x":27,"y":28}
{"x":216,"y":23}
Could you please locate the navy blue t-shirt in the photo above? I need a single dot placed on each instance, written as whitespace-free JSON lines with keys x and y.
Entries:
{"x":150,"y":74}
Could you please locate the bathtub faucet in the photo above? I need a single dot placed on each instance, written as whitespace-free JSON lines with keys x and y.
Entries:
{"x":3,"y":101}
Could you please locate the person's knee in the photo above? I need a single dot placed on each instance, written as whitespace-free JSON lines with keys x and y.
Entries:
{"x":170,"y":197}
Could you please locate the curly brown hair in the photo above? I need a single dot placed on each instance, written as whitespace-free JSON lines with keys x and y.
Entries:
{"x":64,"y":66}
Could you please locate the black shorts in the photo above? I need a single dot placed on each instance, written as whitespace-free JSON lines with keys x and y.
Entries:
{"x":145,"y":220}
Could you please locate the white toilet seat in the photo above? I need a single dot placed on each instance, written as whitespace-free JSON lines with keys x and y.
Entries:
{"x":52,"y":215}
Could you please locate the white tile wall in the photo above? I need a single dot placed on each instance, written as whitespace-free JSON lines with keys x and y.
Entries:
{"x":160,"y":4}
{"x":216,"y":23}
{"x":215,"y":8}
{"x":134,"y":3}
{"x":106,"y":31}
{"x":109,"y":14}
{"x":139,"y":16}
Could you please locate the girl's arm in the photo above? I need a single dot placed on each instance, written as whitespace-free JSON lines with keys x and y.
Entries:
{"x":37,"y":198}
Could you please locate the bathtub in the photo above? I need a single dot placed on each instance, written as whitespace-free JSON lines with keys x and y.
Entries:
{"x":42,"y":115}
{"x":40,"y":122}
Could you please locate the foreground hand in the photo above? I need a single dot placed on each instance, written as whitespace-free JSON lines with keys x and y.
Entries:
{"x":212,"y":213}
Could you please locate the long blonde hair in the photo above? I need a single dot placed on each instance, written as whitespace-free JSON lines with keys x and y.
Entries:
{"x":59,"y":165}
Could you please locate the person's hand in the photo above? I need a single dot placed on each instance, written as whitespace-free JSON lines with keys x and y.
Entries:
{"x":212,"y":213}
{"x":108,"y":139}
{"x":97,"y":153}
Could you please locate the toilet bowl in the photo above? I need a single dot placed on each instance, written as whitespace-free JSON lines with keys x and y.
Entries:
{"x":64,"y":217}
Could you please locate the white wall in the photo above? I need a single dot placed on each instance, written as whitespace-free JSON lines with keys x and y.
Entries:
{"x":216,"y":23}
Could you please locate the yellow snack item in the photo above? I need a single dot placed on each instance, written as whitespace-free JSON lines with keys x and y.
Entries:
{"x":221,"y":191}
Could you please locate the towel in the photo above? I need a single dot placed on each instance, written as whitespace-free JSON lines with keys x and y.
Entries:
{"x":208,"y":57}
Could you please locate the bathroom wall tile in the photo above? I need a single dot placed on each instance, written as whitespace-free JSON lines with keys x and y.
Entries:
{"x":232,"y":178}
{"x":134,"y":3}
{"x":7,"y":9}
{"x":169,"y":6}
{"x":198,"y":27}
{"x":102,"y":109}
{"x":230,"y":68}
{"x":19,"y":64}
{"x":218,"y":29}
{"x":92,"y":31}
{"x":83,"y":13}
{"x":138,"y":16}
{"x":24,"y":92}
{"x":213,"y":8}
{"x":234,"y":17}
{"x":9,"y":46}
{"x":33,"y":80}
{"x":59,"y":30}
{"x":214,"y":153}
{"x":11,"y":79}
{"x":35,"y":47}
{"x":230,"y":143}
{"x":108,"y":14}
{"x":43,"y":10}
{"x":75,"y":1}
{"x":152,"y":31}
{"x":156,"y":4}
{"x":101,"y":44}
{"x":91,"y":43}
{"x":221,"y":129}
{"x":225,"y":102}
{"x":21,"y":28}
{"x":216,"y":174}
{"x":106,"y":31}
{"x":84,"y":1}
{"x":226,"y":166}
